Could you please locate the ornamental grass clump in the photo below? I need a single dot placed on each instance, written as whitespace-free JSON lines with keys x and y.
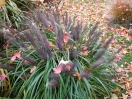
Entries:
{"x":121,"y":12}
{"x":58,"y":58}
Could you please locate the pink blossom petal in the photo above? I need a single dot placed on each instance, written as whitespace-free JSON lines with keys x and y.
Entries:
{"x":3,"y":76}
{"x":58,"y":69}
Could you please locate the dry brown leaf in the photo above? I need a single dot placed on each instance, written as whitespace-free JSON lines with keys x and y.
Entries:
{"x":77,"y":75}
{"x":2,"y":3}
{"x":114,"y":96}
{"x":52,"y":45}
{"x":123,"y":86}
{"x":32,"y":69}
{"x":87,"y":69}
{"x":117,"y":90}
{"x":124,"y":96}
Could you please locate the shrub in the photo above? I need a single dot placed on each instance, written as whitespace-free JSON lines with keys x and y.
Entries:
{"x":121,"y":12}
{"x":58,"y":58}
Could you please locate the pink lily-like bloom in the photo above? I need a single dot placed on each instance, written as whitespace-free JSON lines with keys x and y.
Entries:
{"x":16,"y":55}
{"x":3,"y":76}
{"x":58,"y":70}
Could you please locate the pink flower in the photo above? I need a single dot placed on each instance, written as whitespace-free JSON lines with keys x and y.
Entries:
{"x":16,"y":55}
{"x":3,"y":76}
